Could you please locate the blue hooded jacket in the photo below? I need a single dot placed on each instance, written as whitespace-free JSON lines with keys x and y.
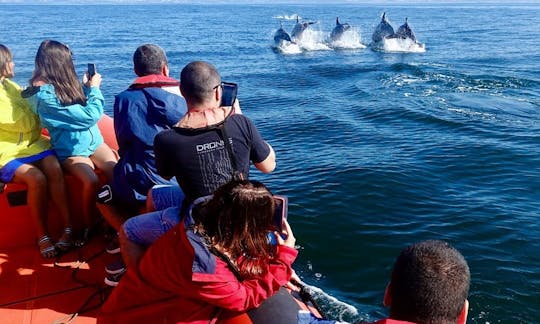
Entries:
{"x":73,"y":128}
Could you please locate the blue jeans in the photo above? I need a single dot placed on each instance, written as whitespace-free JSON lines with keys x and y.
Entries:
{"x":165,"y":196}
{"x":147,"y":228}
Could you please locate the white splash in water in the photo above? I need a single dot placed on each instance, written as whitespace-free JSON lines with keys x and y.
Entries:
{"x":289,"y":48}
{"x":288,"y":17}
{"x":331,"y":306}
{"x":313,"y":40}
{"x":349,"y":40}
{"x":400,"y":45}
{"x":316,"y":40}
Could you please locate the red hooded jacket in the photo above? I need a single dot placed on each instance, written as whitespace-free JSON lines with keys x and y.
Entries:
{"x":178,"y":280}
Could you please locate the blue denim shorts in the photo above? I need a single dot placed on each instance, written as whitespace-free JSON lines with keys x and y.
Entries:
{"x":165,"y":196}
{"x":7,"y":172}
{"x":147,"y":228}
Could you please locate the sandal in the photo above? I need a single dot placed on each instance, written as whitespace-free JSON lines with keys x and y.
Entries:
{"x":83,"y":239}
{"x":65,"y":242}
{"x":46,"y":247}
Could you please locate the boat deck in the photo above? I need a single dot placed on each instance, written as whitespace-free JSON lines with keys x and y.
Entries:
{"x":38,"y":290}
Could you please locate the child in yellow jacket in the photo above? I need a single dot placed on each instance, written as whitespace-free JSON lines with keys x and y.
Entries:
{"x":26,"y":157}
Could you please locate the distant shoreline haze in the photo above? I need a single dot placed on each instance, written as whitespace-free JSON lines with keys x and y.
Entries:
{"x":292,"y":2}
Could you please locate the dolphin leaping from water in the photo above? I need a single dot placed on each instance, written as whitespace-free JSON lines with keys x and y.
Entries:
{"x":383,"y":30}
{"x":404,"y":31}
{"x":338,"y":31}
{"x":281,"y":36}
{"x":403,"y":40}
{"x":299,"y":28}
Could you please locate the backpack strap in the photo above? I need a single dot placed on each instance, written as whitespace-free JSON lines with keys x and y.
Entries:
{"x":236,"y":174}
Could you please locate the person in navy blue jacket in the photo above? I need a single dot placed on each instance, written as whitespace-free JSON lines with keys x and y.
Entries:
{"x":152,"y":103}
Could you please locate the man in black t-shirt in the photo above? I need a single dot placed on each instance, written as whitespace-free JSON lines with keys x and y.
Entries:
{"x":194,"y":150}
{"x":200,"y":160}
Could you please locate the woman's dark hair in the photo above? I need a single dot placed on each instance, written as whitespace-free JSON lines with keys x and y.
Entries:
{"x":5,"y":59}
{"x":237,"y":221}
{"x":54,"y":65}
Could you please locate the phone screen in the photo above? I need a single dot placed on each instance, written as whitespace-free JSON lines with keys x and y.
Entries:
{"x":91,"y":69}
{"x":281,"y":210}
{"x":229,"y":94}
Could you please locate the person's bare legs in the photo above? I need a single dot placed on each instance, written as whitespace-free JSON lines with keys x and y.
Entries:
{"x":83,"y":168}
{"x":58,"y":194}
{"x":36,"y":183}
{"x":56,"y":185}
{"x":131,"y":251}
{"x":113,"y":215}
{"x":105,"y":160}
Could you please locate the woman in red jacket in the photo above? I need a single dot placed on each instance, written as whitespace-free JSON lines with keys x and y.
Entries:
{"x":217,"y":259}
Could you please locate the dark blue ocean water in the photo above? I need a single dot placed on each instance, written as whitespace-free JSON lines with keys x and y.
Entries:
{"x":375,"y":150}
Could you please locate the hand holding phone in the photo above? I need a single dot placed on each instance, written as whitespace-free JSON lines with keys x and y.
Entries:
{"x":91,"y":70}
{"x":91,"y":78}
{"x":286,"y":238}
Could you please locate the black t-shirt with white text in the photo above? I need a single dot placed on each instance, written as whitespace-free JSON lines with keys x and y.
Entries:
{"x":199,"y":159}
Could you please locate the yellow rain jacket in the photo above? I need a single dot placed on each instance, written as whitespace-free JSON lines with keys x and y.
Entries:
{"x":20,"y":130}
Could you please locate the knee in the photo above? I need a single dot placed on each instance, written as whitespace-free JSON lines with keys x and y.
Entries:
{"x":122,"y":236}
{"x":89,"y":179}
{"x":56,"y":175}
{"x":82,"y":169}
{"x":35,"y":178}
{"x":94,"y":179}
{"x":52,"y":169}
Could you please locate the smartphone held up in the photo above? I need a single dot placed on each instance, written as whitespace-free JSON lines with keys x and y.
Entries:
{"x":91,"y":70}
{"x":228,"y":97}
{"x":280,"y":213}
